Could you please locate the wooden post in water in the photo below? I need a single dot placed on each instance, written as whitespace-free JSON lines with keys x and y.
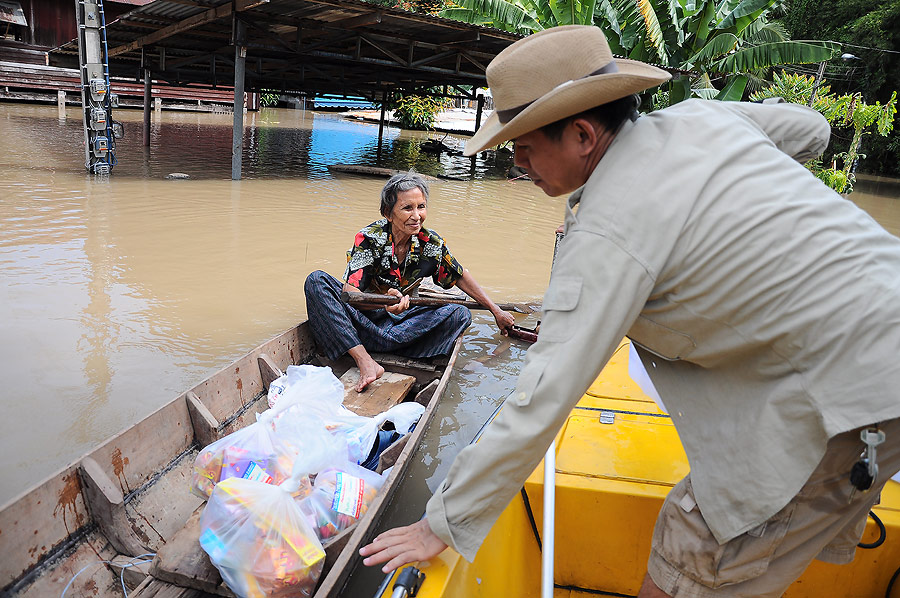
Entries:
{"x":384,"y":96}
{"x":237,"y":136}
{"x":147,"y":100}
{"x":478,"y":111}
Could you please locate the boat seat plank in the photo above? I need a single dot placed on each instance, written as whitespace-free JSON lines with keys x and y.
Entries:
{"x":155,"y":588}
{"x":379,"y":396}
{"x":182,"y":561}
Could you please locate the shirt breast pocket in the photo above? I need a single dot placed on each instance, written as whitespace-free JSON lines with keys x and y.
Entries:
{"x":558,"y":309}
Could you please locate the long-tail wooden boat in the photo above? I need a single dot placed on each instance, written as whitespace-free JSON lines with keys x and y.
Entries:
{"x":617,"y":457}
{"x":101,"y":519}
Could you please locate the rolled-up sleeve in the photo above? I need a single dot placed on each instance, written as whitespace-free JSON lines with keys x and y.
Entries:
{"x":596,"y":292}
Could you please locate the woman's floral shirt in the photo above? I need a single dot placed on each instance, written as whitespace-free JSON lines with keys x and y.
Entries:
{"x":373,"y":267}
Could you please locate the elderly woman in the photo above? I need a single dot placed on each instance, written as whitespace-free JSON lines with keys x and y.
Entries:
{"x":390,"y":256}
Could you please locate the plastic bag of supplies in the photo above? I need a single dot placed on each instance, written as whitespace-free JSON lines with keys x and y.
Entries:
{"x":251,"y":453}
{"x":339,"y":498}
{"x":259,"y":540}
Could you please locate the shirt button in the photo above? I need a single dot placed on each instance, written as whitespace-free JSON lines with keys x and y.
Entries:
{"x":521,"y":397}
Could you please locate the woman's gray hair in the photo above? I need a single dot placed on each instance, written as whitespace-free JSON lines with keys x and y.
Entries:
{"x":397,"y":183}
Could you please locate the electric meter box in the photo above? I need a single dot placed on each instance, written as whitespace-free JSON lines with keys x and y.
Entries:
{"x":113,"y":100}
{"x":98,"y":89}
{"x":98,"y":119}
{"x":101,"y":145}
{"x":101,"y":168}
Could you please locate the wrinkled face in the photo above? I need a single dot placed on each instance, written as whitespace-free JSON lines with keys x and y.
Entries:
{"x":409,"y":212}
{"x":553,"y":165}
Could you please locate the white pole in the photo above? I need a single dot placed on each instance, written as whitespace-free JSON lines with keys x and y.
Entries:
{"x":549,"y":522}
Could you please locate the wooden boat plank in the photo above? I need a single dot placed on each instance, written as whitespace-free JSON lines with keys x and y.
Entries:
{"x":268,"y":370}
{"x":203,"y":422}
{"x":96,"y":580}
{"x":133,"y":571}
{"x":378,"y":396}
{"x":155,"y":588}
{"x":107,"y":506}
{"x":333,"y":582}
{"x":160,"y":510}
{"x":181,"y":561}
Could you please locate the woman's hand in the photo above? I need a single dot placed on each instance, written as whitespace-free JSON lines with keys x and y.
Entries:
{"x":398,"y":308}
{"x":504,"y":320}
{"x":403,"y":545}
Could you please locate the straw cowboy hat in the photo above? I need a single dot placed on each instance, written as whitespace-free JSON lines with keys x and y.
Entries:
{"x":554,"y":74}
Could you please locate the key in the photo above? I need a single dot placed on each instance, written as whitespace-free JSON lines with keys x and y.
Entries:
{"x":872,"y":437}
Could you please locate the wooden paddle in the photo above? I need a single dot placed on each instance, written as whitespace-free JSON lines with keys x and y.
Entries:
{"x":376,"y":300}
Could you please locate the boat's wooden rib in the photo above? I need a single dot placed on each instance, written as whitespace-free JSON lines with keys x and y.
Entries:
{"x":129,"y":496}
{"x":203,"y":422}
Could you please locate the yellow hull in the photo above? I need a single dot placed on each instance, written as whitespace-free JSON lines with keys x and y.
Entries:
{"x":617,"y":457}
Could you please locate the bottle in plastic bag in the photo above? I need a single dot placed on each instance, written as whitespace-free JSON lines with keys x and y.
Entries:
{"x":259,"y":540}
{"x":340,"y":497}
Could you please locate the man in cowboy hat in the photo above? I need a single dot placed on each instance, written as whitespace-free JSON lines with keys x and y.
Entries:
{"x":765,"y":307}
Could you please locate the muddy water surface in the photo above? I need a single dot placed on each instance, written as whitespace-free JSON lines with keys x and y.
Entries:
{"x":116,"y":295}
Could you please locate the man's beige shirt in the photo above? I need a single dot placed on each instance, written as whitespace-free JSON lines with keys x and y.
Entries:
{"x":766,"y":309}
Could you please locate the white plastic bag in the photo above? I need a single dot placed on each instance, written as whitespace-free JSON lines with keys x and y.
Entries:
{"x":259,"y":540}
{"x":305,"y":383}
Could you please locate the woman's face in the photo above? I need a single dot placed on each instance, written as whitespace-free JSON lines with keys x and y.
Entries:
{"x":409,"y":212}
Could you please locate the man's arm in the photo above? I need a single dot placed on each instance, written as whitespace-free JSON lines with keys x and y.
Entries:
{"x":799,"y":131}
{"x":596,"y":292}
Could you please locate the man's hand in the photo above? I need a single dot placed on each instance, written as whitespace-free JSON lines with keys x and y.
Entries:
{"x":403,"y":545}
{"x":398,"y":308}
{"x":504,"y":320}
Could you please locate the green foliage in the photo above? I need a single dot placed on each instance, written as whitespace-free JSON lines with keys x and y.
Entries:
{"x":866,"y":24}
{"x":846,"y":111}
{"x":417,"y":112}
{"x":428,"y":7}
{"x":268,"y":97}
{"x":729,"y":43}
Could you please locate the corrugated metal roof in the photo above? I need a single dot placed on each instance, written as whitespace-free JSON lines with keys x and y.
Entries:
{"x":312,"y":46}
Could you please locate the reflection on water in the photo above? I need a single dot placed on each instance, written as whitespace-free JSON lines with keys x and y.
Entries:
{"x":117,"y":295}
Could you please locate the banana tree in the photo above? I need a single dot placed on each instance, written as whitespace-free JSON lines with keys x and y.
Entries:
{"x":725,"y":44}
{"x":522,"y":16}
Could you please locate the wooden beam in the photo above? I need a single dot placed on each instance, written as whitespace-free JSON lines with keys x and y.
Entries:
{"x":384,"y":51}
{"x":371,"y":18}
{"x":206,"y":426}
{"x":107,"y":507}
{"x":268,"y":370}
{"x":208,"y":16}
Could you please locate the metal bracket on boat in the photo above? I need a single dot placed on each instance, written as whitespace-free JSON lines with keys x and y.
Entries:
{"x":107,"y":507}
{"x":607,"y":417}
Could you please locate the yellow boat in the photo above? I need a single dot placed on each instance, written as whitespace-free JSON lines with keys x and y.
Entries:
{"x":617,"y":457}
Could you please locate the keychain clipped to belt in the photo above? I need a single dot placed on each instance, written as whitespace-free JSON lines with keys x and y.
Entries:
{"x":864,"y":471}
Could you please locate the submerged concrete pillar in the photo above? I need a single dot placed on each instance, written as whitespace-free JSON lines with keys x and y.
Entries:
{"x":61,"y":103}
{"x":237,"y":135}
{"x":147,"y":88}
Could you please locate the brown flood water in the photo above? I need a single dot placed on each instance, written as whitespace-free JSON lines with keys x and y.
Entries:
{"x":116,"y":295}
